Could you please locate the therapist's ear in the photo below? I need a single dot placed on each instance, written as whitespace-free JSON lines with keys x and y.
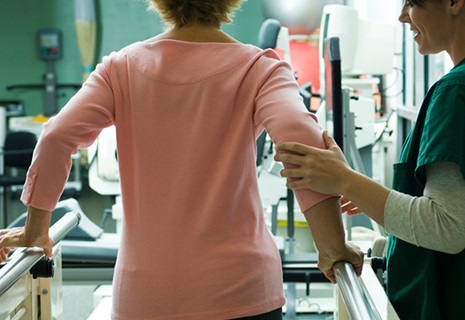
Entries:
{"x":457,"y":6}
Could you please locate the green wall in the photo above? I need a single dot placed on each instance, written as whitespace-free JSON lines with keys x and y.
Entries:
{"x":121,"y":22}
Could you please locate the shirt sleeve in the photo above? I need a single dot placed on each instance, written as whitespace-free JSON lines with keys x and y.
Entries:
{"x":443,"y":135}
{"x":77,"y":125}
{"x":281,"y":111}
{"x":436,"y":220}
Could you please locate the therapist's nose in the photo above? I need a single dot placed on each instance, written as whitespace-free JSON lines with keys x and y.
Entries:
{"x":404,"y":17}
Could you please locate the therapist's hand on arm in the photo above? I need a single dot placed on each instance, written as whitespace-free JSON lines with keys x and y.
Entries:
{"x":324,"y":220}
{"x":327,"y":171}
{"x":33,"y":234}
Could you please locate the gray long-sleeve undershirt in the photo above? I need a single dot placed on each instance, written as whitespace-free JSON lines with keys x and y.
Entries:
{"x":436,"y":220}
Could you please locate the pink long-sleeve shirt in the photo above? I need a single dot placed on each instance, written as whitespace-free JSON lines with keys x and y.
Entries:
{"x":194,"y":242}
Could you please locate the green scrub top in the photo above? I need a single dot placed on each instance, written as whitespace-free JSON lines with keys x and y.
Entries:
{"x":422,"y":283}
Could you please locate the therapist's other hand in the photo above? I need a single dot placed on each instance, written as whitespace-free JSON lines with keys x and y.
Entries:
{"x":348,"y":207}
{"x":17,"y":237}
{"x":351,"y":254}
{"x":321,"y":170}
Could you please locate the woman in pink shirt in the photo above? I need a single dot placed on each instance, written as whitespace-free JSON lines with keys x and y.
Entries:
{"x":188,"y":106}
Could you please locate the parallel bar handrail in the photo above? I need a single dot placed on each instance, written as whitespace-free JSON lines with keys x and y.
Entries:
{"x":25,"y":259}
{"x":358,"y":307}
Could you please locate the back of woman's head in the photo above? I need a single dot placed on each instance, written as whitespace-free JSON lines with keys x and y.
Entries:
{"x":179,"y":13}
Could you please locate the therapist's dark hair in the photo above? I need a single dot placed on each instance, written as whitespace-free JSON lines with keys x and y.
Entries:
{"x":179,"y":13}
{"x":420,"y":3}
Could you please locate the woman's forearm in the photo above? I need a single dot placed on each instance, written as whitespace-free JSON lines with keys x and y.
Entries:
{"x":34,"y":234}
{"x":37,"y":223}
{"x":324,"y":220}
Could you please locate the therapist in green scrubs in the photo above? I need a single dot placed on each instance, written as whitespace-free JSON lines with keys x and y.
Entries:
{"x":424,"y":213}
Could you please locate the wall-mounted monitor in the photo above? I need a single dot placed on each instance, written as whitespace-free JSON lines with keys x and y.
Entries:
{"x":367,"y":47}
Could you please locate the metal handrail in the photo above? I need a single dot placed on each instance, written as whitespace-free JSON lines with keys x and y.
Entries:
{"x":26,"y":258}
{"x":358,"y":307}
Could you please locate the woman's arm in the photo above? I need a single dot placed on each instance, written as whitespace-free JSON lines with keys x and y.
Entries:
{"x":327,"y":171}
{"x":33,"y":234}
{"x":324,"y":220}
{"x":77,"y":125}
{"x":280,"y":110}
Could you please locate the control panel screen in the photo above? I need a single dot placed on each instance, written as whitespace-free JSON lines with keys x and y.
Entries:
{"x":50,"y":44}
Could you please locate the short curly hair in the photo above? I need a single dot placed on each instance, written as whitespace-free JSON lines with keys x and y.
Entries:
{"x":179,"y":13}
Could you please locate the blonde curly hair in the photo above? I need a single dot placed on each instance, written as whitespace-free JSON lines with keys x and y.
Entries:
{"x":179,"y":13}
